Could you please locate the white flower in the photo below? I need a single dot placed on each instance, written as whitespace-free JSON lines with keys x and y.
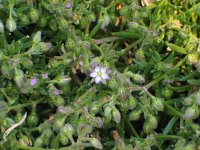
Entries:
{"x":99,"y":75}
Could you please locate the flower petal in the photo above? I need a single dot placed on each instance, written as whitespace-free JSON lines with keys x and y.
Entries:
{"x":103,"y":70}
{"x":105,"y":76}
{"x":97,"y":79}
{"x":93,"y":74}
{"x":97,"y":69}
{"x":33,"y":81}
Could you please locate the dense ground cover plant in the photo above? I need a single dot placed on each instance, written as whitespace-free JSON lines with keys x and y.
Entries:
{"x":99,"y":74}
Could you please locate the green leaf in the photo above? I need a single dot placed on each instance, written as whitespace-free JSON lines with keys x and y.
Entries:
{"x":169,"y":58}
{"x":179,"y":89}
{"x":3,"y":41}
{"x":127,"y":35}
{"x":176,"y":48}
{"x":7,"y":70}
{"x":156,"y":57}
{"x":95,"y":30}
{"x":189,"y":76}
{"x":167,"y":137}
{"x":194,"y":82}
{"x":170,"y":125}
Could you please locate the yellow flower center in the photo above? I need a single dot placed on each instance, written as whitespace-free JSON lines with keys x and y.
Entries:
{"x":99,"y":74}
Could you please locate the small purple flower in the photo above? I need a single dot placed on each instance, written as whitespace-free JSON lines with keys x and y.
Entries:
{"x":44,"y":75}
{"x":167,"y":81}
{"x":33,"y":81}
{"x":99,"y":74}
{"x":88,"y":45}
{"x":68,"y":5}
{"x":56,"y":92}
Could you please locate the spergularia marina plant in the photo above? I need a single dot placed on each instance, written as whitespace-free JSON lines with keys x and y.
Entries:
{"x":99,"y":74}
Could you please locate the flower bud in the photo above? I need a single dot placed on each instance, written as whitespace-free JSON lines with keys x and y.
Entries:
{"x":45,"y":46}
{"x":42,"y":21}
{"x":84,"y":129}
{"x":76,"y":18}
{"x":95,"y":143}
{"x":105,"y":21}
{"x":169,"y":35}
{"x":63,"y":24}
{"x":70,"y":44}
{"x":153,"y":121}
{"x":157,"y":104}
{"x":58,"y":123}
{"x":33,"y":119}
{"x":132,"y":102}
{"x":57,"y":100}
{"x":11,"y":24}
{"x":139,"y":78}
{"x":107,"y":111}
{"x":65,"y":110}
{"x":139,"y":55}
{"x":123,"y":105}
{"x":24,"y":141}
{"x":39,"y":142}
{"x":135,"y":114}
{"x":95,"y":108}
{"x":191,"y":112}
{"x":97,"y":122}
{"x":53,"y":25}
{"x":108,"y":118}
{"x":63,"y":139}
{"x":34,"y":15}
{"x":193,"y":58}
{"x":26,"y":62}
{"x":116,"y":115}
{"x":190,"y":46}
{"x":37,"y":37}
{"x":83,"y":23}
{"x":6,"y":70}
{"x":120,"y":144}
{"x":1,"y":27}
{"x":24,"y":19}
{"x":166,"y":92}
{"x":112,"y":83}
{"x":91,"y":18}
{"x":47,"y":132}
{"x":68,"y":130}
{"x":150,"y":124}
{"x":12,"y":100}
{"x":19,"y":77}
{"x":124,"y":11}
{"x":7,"y":122}
{"x":19,"y":116}
{"x":136,"y":77}
{"x":188,"y":100}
